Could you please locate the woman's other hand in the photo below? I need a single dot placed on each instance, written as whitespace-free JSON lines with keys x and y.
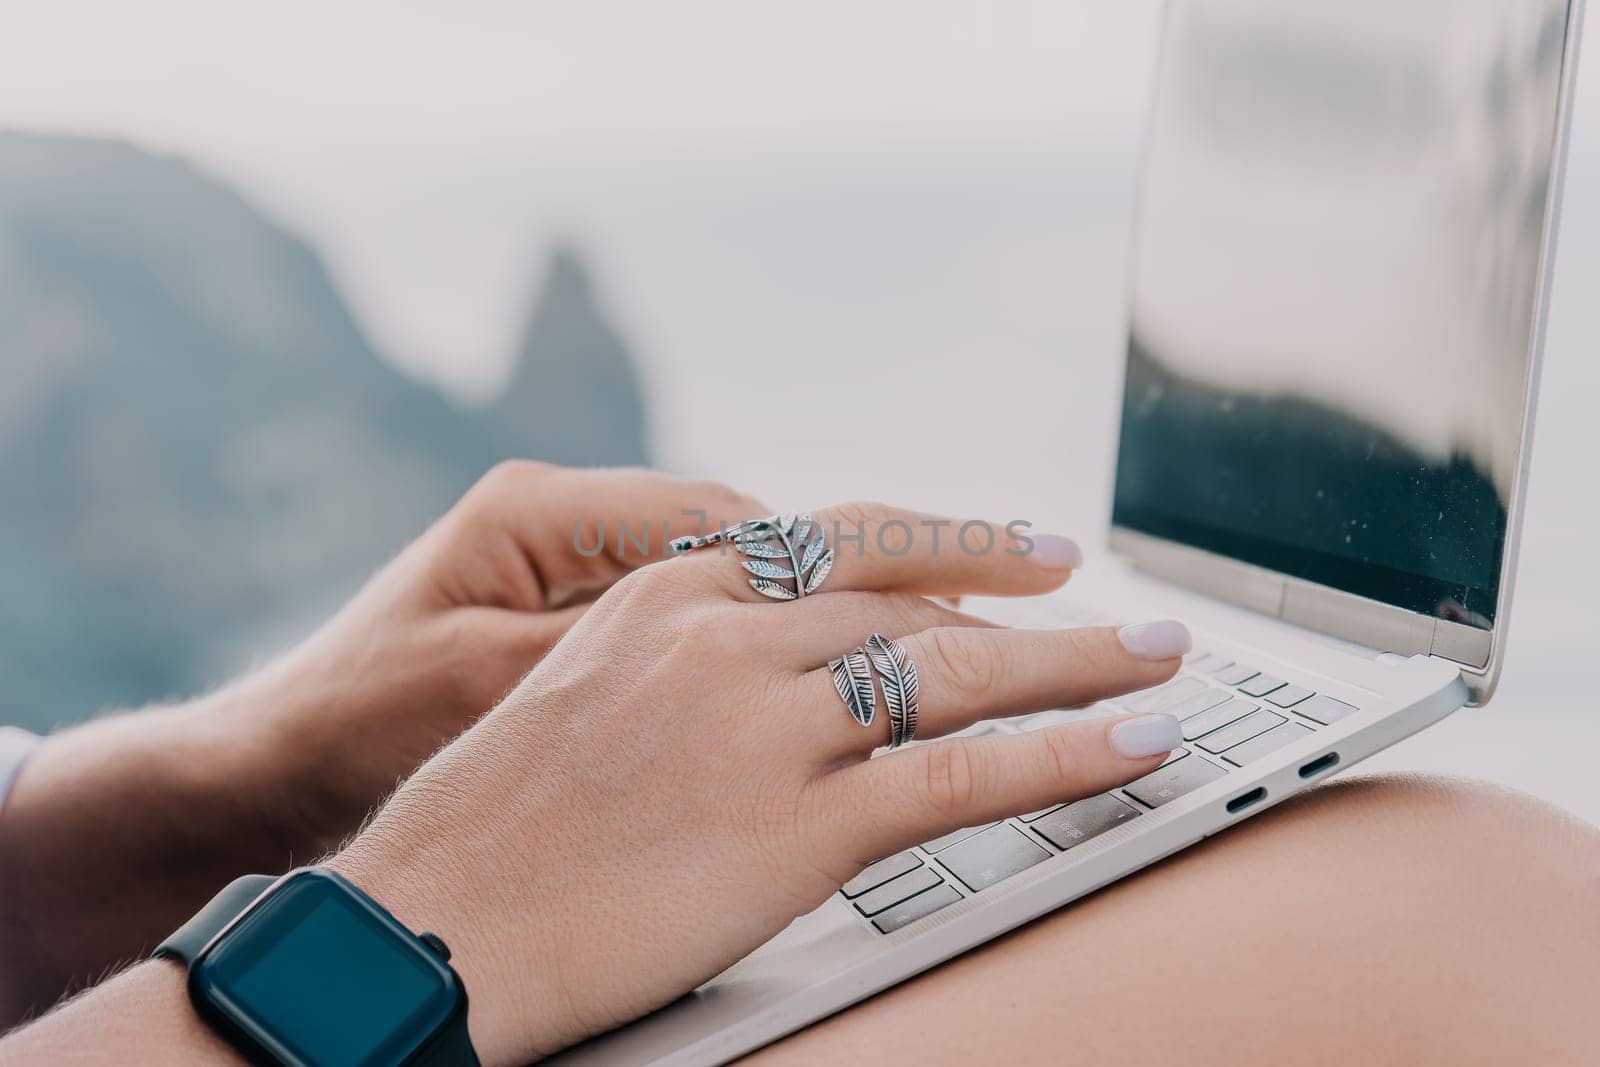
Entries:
{"x":449,"y":626}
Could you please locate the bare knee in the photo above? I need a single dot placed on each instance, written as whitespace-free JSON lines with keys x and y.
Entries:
{"x":1454,"y":843}
{"x":1447,"y":920}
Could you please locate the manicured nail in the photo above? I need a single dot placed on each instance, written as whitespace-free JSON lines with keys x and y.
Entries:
{"x":1166,"y":639}
{"x":1053,"y":550}
{"x":1148,"y":735}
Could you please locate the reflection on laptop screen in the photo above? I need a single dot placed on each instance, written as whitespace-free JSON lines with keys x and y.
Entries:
{"x":1334,"y":288}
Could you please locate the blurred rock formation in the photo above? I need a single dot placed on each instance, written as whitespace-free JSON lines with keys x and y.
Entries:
{"x":200,"y":453}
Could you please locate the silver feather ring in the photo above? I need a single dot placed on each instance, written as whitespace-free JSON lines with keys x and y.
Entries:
{"x":787,"y":556}
{"x":852,"y":677}
{"x":898,"y":677}
{"x":880,"y":664}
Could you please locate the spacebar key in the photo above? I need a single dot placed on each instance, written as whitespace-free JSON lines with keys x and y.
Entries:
{"x":992,"y":856}
{"x":1173,"y":781}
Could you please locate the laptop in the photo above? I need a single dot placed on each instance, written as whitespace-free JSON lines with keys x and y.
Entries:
{"x":1339,"y":283}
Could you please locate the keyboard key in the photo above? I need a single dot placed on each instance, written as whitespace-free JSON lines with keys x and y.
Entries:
{"x":1077,"y":823}
{"x":878,"y":873}
{"x":1236,"y":674}
{"x":918,"y":907}
{"x":1222,"y":664}
{"x":1205,"y":662}
{"x":1198,"y":703}
{"x":1197,"y":726}
{"x":1172,"y":781}
{"x":1289,"y":695}
{"x":1041,"y":813}
{"x":1157,"y":699}
{"x":901,"y":889}
{"x":992,"y":856}
{"x":939,"y":844}
{"x":1241,"y":731}
{"x":1269,"y":742}
{"x":1261,"y":685}
{"x":1324,"y":709}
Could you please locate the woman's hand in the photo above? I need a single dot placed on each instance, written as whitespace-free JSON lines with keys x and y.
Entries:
{"x":451,"y":624}
{"x":679,"y":779}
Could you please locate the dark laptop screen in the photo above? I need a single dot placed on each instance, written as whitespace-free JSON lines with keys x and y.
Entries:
{"x":1335,"y":285}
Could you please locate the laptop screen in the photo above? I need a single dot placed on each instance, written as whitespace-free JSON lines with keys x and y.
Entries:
{"x":1335,"y":287}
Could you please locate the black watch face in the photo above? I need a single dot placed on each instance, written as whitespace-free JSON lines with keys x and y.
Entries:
{"x":317,"y":974}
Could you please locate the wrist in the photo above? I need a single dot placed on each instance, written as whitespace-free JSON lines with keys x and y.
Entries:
{"x":500,"y":947}
{"x":176,"y":800}
{"x":158,"y":992}
{"x":141,"y":1016}
{"x":242,"y":746}
{"x":345,"y":719}
{"x":281,"y":721}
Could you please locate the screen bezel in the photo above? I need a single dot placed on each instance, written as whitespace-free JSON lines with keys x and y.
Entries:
{"x":256,"y":930}
{"x":1334,"y":611}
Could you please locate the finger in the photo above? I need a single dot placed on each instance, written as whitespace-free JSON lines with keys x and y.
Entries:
{"x":922,"y":792}
{"x":877,"y":547}
{"x":966,"y":674}
{"x":819,"y":628}
{"x":581,"y":530}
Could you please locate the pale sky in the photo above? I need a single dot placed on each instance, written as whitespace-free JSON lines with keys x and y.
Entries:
{"x":431,"y":150}
{"x":461,"y":76}
{"x":428,"y":149}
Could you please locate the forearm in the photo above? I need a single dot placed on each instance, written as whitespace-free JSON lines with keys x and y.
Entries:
{"x":118,"y":830}
{"x":142,"y":1016}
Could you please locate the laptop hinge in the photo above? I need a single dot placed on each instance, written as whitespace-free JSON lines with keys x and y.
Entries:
{"x":1315,"y":607}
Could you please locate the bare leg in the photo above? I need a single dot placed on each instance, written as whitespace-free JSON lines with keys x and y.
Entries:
{"x":1382,"y":920}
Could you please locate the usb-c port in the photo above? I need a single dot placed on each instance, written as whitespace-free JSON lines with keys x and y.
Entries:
{"x":1320,"y":764}
{"x":1244,"y":800}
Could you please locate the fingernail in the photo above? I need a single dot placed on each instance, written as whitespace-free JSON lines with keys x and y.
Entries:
{"x":1166,"y":639}
{"x":1148,"y":735}
{"x":1053,"y":550}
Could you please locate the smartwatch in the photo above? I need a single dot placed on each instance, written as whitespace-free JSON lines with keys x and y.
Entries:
{"x":306,"y":970}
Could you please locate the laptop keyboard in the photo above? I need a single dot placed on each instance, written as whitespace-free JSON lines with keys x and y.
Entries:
{"x":1232,"y":715}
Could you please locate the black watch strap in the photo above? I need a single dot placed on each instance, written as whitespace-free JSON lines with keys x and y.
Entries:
{"x":450,"y":1047}
{"x":185,"y":943}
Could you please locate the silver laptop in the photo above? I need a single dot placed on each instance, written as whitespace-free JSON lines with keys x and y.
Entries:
{"x":1337,"y":303}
